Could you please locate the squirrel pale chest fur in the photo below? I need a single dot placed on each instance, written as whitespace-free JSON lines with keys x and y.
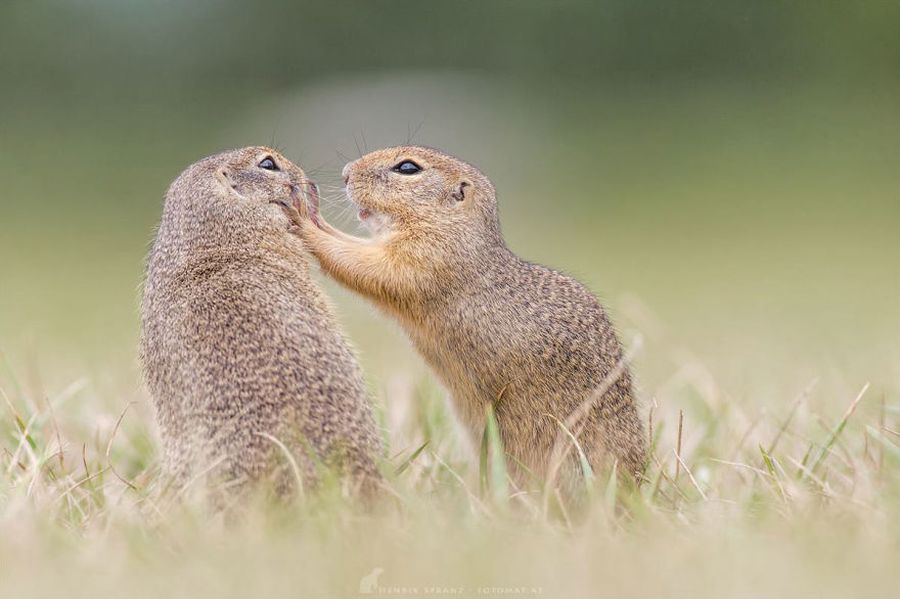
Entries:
{"x":532,"y":342}
{"x":240,"y":350}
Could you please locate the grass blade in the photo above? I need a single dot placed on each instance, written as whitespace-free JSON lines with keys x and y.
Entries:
{"x":492,"y":459}
{"x":836,"y":432}
{"x":412,"y":457}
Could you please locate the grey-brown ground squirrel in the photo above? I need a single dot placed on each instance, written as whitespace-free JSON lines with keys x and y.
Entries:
{"x":533,"y":342}
{"x":240,"y":349}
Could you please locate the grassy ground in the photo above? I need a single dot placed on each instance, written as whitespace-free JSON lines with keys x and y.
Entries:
{"x":795,"y":501}
{"x":744,"y":240}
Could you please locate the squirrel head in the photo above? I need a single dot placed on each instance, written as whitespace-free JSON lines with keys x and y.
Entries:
{"x":236,"y":193}
{"x":424,"y":192}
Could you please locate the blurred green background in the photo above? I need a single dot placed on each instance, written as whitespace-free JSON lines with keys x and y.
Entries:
{"x":726,"y":175}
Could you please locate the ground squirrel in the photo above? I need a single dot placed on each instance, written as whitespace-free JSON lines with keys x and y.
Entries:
{"x":250,"y":376}
{"x":497,"y":329}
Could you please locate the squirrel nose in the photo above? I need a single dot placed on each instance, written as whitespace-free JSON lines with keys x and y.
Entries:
{"x":345,"y":173}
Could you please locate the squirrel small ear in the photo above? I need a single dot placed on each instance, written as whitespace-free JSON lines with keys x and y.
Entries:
{"x":459,"y":194}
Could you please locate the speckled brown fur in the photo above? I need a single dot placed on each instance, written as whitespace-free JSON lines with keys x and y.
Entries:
{"x":494,"y":327}
{"x":239,"y":346}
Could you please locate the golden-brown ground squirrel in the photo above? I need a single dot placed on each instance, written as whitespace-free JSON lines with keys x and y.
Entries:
{"x":240,"y":349}
{"x":496,"y":329}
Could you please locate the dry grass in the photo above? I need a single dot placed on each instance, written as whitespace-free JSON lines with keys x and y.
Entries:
{"x":738,"y":501}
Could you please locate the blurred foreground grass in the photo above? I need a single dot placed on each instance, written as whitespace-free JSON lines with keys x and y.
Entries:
{"x":747,"y":235}
{"x":789,"y":502}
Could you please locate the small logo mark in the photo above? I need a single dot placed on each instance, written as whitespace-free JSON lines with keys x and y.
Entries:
{"x":369,"y":583}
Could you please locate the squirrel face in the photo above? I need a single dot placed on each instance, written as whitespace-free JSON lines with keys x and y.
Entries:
{"x":418,"y":189}
{"x":234,"y":196}
{"x":262,"y":176}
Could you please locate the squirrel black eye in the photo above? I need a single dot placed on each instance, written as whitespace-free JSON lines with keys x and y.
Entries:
{"x":269,"y":164}
{"x":407,"y":167}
